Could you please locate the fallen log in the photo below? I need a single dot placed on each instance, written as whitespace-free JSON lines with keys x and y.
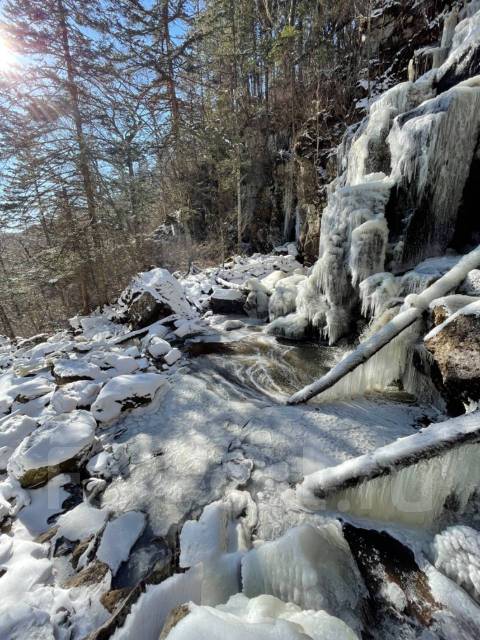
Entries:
{"x":415,"y":306}
{"x":231,"y":285}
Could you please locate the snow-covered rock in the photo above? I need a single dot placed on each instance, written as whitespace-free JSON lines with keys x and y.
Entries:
{"x":116,"y":363}
{"x":158,"y":347}
{"x":471,"y":285}
{"x":125,"y":392}
{"x":75,"y":369}
{"x":56,"y":446}
{"x":12,"y":431}
{"x":81,"y":522}
{"x":74,"y":395}
{"x":119,"y":537}
{"x":173,"y":356}
{"x":232,"y":325}
{"x":153,"y":295}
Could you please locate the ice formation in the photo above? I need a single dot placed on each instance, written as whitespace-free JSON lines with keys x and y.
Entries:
{"x":317,"y":571}
{"x":382,"y":357}
{"x":260,"y":618}
{"x":456,"y":553}
{"x":411,"y":481}
{"x":397,"y":200}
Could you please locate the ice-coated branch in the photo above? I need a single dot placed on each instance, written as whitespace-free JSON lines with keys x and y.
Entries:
{"x":416,"y":305}
{"x":428,"y":443}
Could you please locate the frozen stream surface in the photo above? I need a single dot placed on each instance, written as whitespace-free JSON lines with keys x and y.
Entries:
{"x":222,"y":424}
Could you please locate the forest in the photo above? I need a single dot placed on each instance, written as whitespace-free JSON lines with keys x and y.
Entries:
{"x":137,"y":132}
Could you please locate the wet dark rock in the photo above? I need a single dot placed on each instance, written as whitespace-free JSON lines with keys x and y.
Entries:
{"x":228,"y":302}
{"x":112,"y":599}
{"x":456,"y":351}
{"x":388,"y":565}
{"x":144,"y":309}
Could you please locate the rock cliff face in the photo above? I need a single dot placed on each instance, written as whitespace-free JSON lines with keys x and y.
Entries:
{"x":396,"y":31}
{"x":403,"y":195}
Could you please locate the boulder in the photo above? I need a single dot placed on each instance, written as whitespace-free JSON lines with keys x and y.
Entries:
{"x":152,"y":296}
{"x":59,"y":445}
{"x":228,"y":301}
{"x":455,"y":346}
{"x":125,"y":392}
{"x":443,"y":308}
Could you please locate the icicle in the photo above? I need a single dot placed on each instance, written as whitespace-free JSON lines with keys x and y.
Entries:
{"x":377,"y":373}
{"x":367,"y":253}
{"x":416,"y":494}
{"x":420,"y":141}
{"x":377,"y":291}
{"x":412,"y":480}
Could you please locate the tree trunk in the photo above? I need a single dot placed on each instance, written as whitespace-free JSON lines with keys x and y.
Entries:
{"x":83,"y":161}
{"x":171,"y":85}
{"x":6,"y":324}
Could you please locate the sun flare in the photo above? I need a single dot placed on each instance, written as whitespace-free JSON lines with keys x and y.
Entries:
{"x":8,"y":58}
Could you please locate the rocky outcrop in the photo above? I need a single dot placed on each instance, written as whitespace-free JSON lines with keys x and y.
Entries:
{"x":455,"y":346}
{"x":153,"y":295}
{"x":228,"y":301}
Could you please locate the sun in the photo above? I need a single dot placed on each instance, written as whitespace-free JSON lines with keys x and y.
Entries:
{"x":8,"y":57}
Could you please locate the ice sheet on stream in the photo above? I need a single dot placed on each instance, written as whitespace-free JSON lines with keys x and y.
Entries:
{"x":182,"y":458}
